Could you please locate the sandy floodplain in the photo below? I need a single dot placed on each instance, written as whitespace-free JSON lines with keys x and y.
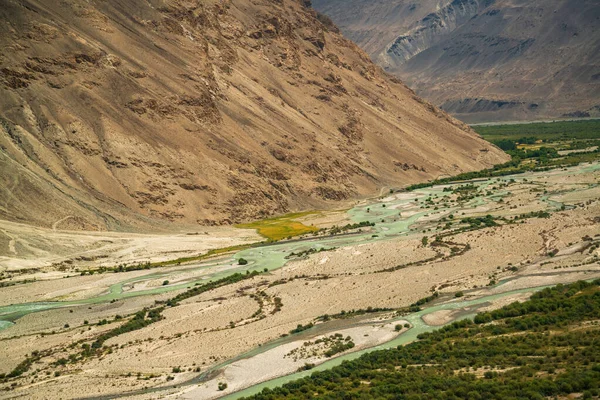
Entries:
{"x":39,"y":250}
{"x":382,"y":267}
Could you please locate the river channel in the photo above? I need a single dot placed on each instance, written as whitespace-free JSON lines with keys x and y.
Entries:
{"x":394,"y":216}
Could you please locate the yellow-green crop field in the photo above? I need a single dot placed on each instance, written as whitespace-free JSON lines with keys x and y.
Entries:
{"x":282,"y":227}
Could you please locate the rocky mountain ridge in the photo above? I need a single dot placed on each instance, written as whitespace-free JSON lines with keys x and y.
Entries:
{"x":484,"y":60}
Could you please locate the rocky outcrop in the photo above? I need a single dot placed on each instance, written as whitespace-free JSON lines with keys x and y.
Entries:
{"x":431,"y":30}
{"x":541,"y":58}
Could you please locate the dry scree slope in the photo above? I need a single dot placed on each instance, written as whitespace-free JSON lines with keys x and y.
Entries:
{"x":484,"y":60}
{"x":116,"y":114}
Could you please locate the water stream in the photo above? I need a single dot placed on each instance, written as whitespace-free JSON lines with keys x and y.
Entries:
{"x":416,"y":321}
{"x":395,"y":216}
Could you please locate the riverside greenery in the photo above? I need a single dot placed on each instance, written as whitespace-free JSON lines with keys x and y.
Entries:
{"x":547,"y":346}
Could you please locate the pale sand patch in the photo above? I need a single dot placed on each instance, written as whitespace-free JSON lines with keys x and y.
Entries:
{"x":326,"y":219}
{"x":440,"y":317}
{"x":273,"y":363}
{"x":477,"y":210}
{"x":583,"y":195}
{"x":506,"y":300}
{"x":404,"y":196}
{"x":566,"y":152}
{"x":549,"y":280}
{"x":407,"y":214}
{"x":41,"y":248}
{"x":198,"y":317}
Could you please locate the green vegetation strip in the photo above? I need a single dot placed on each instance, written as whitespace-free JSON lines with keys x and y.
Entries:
{"x":562,"y":130}
{"x":548,"y":138}
{"x":547,"y":346}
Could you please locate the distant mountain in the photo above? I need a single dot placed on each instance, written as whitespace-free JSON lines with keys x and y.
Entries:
{"x":484,"y":60}
{"x":117,"y":114}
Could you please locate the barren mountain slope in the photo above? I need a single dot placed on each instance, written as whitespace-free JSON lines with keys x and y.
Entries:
{"x":114,"y":114}
{"x":373,"y":24}
{"x":485,"y":60}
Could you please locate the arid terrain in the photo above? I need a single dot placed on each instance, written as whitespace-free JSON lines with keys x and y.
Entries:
{"x":484,"y":61}
{"x":139,"y":115}
{"x":202,"y":199}
{"x":487,"y":243}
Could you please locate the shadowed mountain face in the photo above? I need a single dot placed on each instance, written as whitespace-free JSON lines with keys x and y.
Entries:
{"x":484,"y":60}
{"x":119,"y":114}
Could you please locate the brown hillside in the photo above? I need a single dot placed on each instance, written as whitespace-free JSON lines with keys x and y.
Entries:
{"x":202,"y":112}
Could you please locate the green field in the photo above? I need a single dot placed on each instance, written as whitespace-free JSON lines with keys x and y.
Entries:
{"x":285,"y":226}
{"x":535,"y":147}
{"x":542,"y":142}
{"x":549,"y":131}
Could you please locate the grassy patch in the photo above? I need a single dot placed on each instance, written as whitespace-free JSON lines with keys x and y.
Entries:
{"x":285,"y":226}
